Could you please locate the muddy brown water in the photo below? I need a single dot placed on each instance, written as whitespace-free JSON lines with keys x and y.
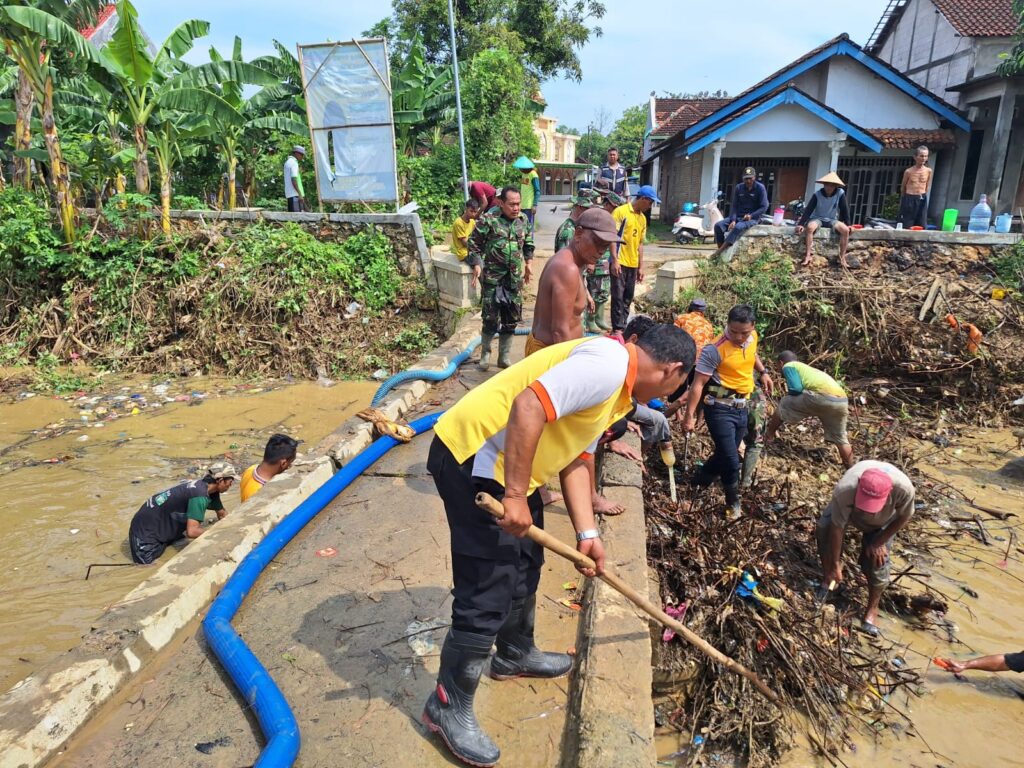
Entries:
{"x":977,"y":722}
{"x":59,"y":517}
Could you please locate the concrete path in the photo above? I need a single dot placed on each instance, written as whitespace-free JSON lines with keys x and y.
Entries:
{"x":348,"y":640}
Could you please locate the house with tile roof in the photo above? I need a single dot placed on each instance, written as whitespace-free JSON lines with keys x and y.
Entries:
{"x":837,"y":107}
{"x":953,"y":47}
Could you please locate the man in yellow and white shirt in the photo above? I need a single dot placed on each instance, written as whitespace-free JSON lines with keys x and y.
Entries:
{"x":278,"y":456}
{"x":628,"y":269}
{"x":507,"y":437}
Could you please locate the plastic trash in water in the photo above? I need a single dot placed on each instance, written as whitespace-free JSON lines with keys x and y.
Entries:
{"x":380,"y":374}
{"x":352,"y":310}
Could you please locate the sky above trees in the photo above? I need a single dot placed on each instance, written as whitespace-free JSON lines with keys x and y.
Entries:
{"x":644,"y":47}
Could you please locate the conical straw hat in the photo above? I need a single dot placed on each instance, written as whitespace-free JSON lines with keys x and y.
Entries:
{"x":831,"y":178}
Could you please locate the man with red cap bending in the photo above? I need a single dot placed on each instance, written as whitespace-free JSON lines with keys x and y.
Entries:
{"x":877,"y":499}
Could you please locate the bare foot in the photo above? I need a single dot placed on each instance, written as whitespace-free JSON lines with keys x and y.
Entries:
{"x":806,"y":262}
{"x":549,"y":496}
{"x":604,"y":507}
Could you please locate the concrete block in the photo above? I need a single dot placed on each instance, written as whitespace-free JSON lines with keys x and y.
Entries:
{"x":672,"y":277}
{"x":453,"y":280}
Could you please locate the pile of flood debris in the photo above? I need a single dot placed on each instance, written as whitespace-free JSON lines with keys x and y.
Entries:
{"x":750,"y":588}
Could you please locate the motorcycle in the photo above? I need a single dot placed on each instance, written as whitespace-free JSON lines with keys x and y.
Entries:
{"x":794,"y":207}
{"x":689,"y":224}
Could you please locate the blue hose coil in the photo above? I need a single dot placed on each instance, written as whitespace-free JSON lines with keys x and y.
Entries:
{"x":423,"y":374}
{"x":250,"y":677}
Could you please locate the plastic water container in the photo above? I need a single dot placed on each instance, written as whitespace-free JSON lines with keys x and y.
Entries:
{"x":949,"y":219}
{"x":981,"y":216}
{"x":1003,"y":221}
{"x":778,"y":215}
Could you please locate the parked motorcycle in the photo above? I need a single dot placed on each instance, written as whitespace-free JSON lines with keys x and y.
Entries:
{"x":794,"y":207}
{"x":689,"y":224}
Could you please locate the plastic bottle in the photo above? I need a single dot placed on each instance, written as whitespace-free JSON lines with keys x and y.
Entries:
{"x":981,"y":216}
{"x":778,"y":215}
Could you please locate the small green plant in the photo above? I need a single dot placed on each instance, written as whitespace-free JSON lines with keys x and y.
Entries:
{"x":188,"y":203}
{"x":50,"y":378}
{"x":891,"y":206}
{"x":129,"y":210}
{"x":766,"y":283}
{"x":1009,"y":265}
{"x":418,"y":338}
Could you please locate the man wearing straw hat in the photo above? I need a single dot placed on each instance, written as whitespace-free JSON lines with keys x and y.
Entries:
{"x":293,"y":192}
{"x":827,"y":208}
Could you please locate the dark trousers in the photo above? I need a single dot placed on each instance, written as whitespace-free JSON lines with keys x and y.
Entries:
{"x":294,"y":205}
{"x":727,"y":427}
{"x":914,"y":211}
{"x":623,"y":288}
{"x":723,"y":234}
{"x":490,"y":568}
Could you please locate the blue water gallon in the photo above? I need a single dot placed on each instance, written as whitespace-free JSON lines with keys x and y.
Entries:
{"x":981,"y":216}
{"x":1003,"y":221}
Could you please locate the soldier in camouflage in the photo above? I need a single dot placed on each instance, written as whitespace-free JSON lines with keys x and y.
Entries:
{"x":599,"y":280}
{"x":503,"y":243}
{"x":757,"y":424}
{"x":587,"y":198}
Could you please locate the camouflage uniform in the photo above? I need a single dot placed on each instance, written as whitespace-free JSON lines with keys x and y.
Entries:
{"x":599,"y":280}
{"x":757,"y":423}
{"x":564,"y":234}
{"x":501,"y":245}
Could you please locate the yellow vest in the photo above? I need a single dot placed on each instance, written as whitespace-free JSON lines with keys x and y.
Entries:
{"x":484,"y":411}
{"x":736,"y":370}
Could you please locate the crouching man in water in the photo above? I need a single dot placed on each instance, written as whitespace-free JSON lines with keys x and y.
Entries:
{"x":877,"y":499}
{"x":178,"y":511}
{"x":540,"y":417}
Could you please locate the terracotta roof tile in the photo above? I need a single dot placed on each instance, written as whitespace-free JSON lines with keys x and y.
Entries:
{"x":912,"y":138}
{"x":686,"y":113}
{"x":980,"y":18}
{"x":101,"y":18}
{"x":665,"y":107}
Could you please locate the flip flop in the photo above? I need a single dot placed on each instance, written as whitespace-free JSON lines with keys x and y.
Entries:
{"x":869,"y":629}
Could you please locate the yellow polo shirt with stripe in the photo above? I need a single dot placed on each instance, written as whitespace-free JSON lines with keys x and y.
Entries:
{"x":583,"y":384}
{"x":730,"y":365}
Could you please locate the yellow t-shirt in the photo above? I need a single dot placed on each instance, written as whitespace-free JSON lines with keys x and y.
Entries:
{"x":250,"y":483}
{"x":462,"y":229}
{"x":584,"y":385}
{"x":633,"y":234}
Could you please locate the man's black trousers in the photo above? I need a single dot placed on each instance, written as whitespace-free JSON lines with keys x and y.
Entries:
{"x":490,"y":568}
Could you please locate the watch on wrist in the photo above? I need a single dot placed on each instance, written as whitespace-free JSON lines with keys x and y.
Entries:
{"x":590,"y":533}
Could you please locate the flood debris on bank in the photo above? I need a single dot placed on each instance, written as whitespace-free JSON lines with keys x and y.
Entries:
{"x":915,"y":386}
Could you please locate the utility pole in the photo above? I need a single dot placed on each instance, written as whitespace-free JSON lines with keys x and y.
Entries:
{"x":458,"y":101}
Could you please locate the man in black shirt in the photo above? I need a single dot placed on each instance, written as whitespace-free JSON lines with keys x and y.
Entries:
{"x":178,"y":511}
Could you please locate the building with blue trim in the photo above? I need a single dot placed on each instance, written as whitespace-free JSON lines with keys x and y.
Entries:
{"x":838,"y":108}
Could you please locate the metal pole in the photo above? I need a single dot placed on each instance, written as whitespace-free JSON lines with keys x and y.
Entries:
{"x":458,"y":100}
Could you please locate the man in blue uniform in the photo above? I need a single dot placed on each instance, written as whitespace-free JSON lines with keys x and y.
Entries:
{"x":749,"y":204}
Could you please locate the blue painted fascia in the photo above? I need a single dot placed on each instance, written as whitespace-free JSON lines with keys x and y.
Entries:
{"x":904,"y":84}
{"x":788,"y":96}
{"x":744,"y":101}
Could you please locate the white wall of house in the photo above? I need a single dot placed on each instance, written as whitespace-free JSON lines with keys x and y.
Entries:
{"x":858,"y":94}
{"x":789,"y":120}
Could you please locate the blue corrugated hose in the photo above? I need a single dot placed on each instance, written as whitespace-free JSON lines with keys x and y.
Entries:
{"x":250,"y":677}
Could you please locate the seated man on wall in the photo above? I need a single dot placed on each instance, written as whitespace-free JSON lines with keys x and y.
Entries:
{"x":278,"y":456}
{"x":178,"y":511}
{"x":462,"y":228}
{"x":827,"y":208}
{"x":749,"y":204}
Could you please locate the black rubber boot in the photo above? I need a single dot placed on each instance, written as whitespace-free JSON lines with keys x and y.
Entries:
{"x":733,"y":509}
{"x":517,"y":656}
{"x":449,"y":710}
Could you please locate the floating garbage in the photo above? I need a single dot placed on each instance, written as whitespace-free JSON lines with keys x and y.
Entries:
{"x":420,"y":636}
{"x":380,"y":374}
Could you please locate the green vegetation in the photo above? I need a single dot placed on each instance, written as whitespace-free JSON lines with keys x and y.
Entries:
{"x":1009,"y":266}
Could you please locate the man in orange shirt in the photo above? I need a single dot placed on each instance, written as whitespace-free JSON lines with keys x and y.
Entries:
{"x":696,"y":324}
{"x":278,"y":456}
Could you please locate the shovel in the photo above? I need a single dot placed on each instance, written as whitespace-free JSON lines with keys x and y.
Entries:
{"x":491,"y":505}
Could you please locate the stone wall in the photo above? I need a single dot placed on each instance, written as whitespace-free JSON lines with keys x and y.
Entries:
{"x":899,"y":247}
{"x":402,"y":229}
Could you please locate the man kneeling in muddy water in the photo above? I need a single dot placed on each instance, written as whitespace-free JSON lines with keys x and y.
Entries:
{"x":540,"y":417}
{"x":877,"y":499}
{"x":177,"y":512}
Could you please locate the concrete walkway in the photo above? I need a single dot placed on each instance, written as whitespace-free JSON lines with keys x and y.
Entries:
{"x":348,"y":639}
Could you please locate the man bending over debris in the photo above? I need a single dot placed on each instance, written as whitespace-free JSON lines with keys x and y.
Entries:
{"x":813,"y":393}
{"x":542,"y":416}
{"x":877,"y":499}
{"x":177,"y":512}
{"x":278,"y":456}
{"x":726,"y":368}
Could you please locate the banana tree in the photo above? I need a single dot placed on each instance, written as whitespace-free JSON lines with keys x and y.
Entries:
{"x":30,"y":34}
{"x":423,"y":98}
{"x":231,"y":116}
{"x":146,"y":80}
{"x":86,"y":105}
{"x":171,"y":130}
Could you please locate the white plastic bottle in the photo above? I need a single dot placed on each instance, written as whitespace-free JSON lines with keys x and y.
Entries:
{"x":981,"y":216}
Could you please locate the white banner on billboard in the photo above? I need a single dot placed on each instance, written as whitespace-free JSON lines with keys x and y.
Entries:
{"x":348,"y":102}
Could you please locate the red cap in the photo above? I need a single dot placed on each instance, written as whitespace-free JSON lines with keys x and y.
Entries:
{"x":873,"y":490}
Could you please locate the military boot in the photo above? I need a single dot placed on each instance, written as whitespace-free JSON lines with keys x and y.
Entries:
{"x":750,"y":458}
{"x":516,"y":655}
{"x":590,"y":323}
{"x":733,"y":509}
{"x":449,"y":710}
{"x":504,"y":348}
{"x":485,"y":351}
{"x":599,"y":314}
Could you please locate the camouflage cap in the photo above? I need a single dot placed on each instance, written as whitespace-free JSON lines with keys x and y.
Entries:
{"x":614,"y":198}
{"x":587,"y":198}
{"x":220,"y":470}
